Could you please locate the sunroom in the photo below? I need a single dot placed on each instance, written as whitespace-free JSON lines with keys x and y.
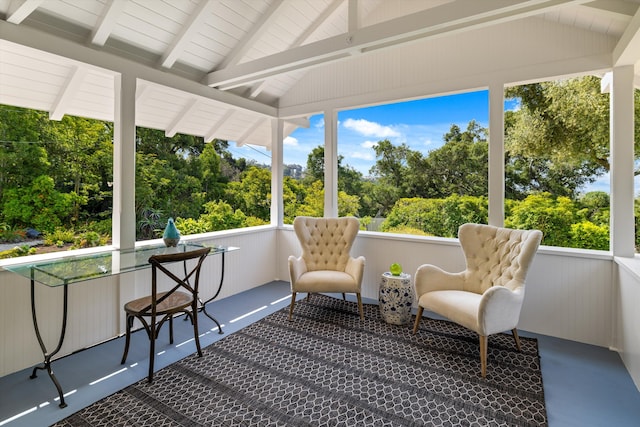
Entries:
{"x":270,"y":65}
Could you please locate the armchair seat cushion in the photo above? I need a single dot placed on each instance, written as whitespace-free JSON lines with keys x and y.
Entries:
{"x":459,"y":306}
{"x":327,"y":281}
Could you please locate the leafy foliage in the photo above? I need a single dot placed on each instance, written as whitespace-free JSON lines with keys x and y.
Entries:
{"x":556,"y":217}
{"x":40,"y":205}
{"x":57,"y":176}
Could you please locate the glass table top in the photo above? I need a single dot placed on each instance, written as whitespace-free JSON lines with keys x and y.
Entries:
{"x":67,"y":270}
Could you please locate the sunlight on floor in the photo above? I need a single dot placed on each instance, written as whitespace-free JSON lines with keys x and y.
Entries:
{"x":106,"y":377}
{"x":248,"y":314}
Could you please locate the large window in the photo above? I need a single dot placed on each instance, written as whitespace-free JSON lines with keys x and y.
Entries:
{"x":417,"y":167}
{"x":303,"y":159}
{"x":557,"y":161}
{"x":55,"y":182}
{"x":204,"y":187}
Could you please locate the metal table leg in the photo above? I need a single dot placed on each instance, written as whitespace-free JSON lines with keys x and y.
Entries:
{"x":203,"y":305}
{"x":46,"y":365}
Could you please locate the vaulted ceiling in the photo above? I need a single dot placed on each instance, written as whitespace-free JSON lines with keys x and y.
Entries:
{"x":224,"y":68}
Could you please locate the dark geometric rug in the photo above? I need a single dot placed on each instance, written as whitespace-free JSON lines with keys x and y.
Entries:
{"x":327,"y":368}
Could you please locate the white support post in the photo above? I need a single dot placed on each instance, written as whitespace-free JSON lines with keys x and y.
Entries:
{"x":277,"y":169}
{"x":124,"y":162}
{"x":496,"y":155}
{"x":331,"y":164}
{"x":622,"y":161}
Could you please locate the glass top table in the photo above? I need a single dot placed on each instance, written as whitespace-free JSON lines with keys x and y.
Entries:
{"x":64,"y":271}
{"x":78,"y":268}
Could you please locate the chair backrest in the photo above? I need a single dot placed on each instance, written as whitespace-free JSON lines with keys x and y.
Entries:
{"x":497,"y":256}
{"x":189,"y":281}
{"x":326,"y":242}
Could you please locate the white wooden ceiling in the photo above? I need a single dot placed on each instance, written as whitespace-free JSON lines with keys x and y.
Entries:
{"x":220,"y":68}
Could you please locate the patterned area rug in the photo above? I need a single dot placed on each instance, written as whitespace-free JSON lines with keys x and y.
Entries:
{"x":326,"y":367}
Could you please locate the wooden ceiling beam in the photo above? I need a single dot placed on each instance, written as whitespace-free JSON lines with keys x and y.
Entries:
{"x":463,"y":15}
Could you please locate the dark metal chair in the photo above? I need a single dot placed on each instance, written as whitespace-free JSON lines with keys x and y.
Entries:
{"x":155,"y":309}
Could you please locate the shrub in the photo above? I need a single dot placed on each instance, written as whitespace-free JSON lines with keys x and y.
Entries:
{"x":59,"y":235}
{"x":11,"y":235}
{"x":89,"y":239}
{"x":18,"y":251}
{"x":587,"y":235}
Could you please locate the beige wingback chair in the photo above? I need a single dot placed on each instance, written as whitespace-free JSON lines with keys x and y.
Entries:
{"x":488,"y":295}
{"x":326,"y":264}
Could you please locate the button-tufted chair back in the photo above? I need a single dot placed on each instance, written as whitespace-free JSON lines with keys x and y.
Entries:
{"x":496,"y":256}
{"x":326,"y":242}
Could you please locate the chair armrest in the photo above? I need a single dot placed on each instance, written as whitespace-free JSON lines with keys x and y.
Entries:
{"x":432,"y":278}
{"x":297,"y":267}
{"x":355,"y":268}
{"x":499,"y":309}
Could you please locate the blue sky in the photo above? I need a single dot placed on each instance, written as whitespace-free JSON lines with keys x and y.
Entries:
{"x":420,"y":124}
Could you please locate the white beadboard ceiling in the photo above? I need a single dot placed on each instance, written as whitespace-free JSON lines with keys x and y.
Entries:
{"x":221,"y":68}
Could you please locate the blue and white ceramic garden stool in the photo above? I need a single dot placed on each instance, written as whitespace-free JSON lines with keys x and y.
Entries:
{"x":395,"y":298}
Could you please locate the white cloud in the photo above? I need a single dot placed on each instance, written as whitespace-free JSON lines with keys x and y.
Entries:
{"x":363,"y":155}
{"x":368,"y":144}
{"x":367,"y":128}
{"x":289,"y":140}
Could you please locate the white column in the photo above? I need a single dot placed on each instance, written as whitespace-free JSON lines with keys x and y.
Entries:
{"x":622,"y":157}
{"x":331,"y":163}
{"x":496,"y":154}
{"x":124,"y":162}
{"x":277,"y":203}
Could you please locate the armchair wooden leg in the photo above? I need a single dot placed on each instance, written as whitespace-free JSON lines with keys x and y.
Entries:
{"x":483,"y":355}
{"x":418,"y":317}
{"x":344,"y":296}
{"x":360,"y":308}
{"x":293,"y":302}
{"x":516,"y":338}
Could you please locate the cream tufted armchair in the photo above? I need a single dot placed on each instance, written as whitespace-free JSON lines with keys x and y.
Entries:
{"x":488,"y":295}
{"x":326,"y":264}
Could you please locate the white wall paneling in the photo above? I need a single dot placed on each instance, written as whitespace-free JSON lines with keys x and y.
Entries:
{"x":95,"y":306}
{"x":570,"y":294}
{"x":627,"y":315}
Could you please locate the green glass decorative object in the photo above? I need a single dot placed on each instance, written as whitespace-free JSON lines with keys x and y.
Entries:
{"x":171,"y":234}
{"x":395,"y":269}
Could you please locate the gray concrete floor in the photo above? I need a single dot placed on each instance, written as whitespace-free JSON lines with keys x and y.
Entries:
{"x":584,"y":385}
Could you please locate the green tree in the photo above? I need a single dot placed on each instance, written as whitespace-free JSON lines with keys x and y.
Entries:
{"x":81,"y":154}
{"x":23,"y":156}
{"x":391,"y":165}
{"x":294,"y":194}
{"x":211,"y":172}
{"x":460,"y":166}
{"x":40,"y":205}
{"x":349,"y":179}
{"x":558,"y":140}
{"x":252,"y":194}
